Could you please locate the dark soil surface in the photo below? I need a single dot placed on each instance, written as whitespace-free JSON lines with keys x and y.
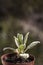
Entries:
{"x":14,"y":58}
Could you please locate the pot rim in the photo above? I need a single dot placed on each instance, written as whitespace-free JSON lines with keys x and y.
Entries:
{"x":4,"y":55}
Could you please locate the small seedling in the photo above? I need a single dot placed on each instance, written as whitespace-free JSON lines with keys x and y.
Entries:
{"x":21,"y":45}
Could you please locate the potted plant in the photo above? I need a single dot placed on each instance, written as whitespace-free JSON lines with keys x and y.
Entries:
{"x":19,"y":55}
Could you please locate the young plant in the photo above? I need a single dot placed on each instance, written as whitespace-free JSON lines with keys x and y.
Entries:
{"x":21,"y":45}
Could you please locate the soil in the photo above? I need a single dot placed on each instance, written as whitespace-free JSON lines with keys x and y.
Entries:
{"x":14,"y":58}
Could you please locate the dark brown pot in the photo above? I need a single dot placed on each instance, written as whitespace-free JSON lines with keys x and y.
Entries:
{"x":8,"y":63}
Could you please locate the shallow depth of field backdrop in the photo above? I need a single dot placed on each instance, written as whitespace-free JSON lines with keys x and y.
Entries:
{"x":21,"y":16}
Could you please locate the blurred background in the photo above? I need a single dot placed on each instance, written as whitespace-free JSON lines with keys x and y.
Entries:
{"x":21,"y":16}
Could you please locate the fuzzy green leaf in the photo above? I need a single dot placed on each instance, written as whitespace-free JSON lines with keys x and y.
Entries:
{"x":16,"y":41}
{"x":32,"y":45}
{"x":20,"y":38}
{"x":9,"y":48}
{"x":21,"y":48}
{"x":25,"y":39}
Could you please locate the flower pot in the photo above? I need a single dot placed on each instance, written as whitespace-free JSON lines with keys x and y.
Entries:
{"x":9,"y":63}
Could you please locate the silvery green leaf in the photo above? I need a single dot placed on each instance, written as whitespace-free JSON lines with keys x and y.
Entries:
{"x":32,"y":45}
{"x":16,"y":41}
{"x":25,"y":39}
{"x":20,"y":38}
{"x":8,"y":48}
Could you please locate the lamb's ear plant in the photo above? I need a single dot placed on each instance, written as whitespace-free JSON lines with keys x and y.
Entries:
{"x":21,"y":45}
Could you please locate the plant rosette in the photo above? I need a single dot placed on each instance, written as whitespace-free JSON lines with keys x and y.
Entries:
{"x":19,"y":55}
